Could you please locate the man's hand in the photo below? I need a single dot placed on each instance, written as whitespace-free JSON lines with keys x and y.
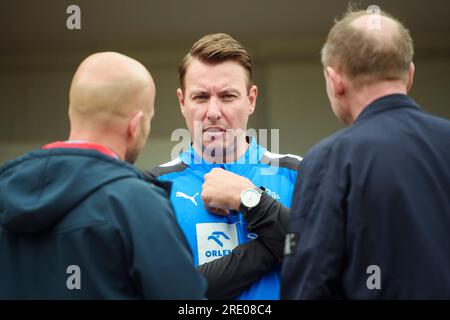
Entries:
{"x":222,"y":189}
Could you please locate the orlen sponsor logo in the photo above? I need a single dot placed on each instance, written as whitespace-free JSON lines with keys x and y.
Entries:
{"x":217,"y":253}
{"x":215,"y":240}
{"x":218,"y":237}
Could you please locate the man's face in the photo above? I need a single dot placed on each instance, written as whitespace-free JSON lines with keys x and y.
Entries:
{"x":216,"y":98}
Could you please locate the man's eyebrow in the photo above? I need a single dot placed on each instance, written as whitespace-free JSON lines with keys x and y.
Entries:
{"x":231,"y":90}
{"x":197,"y":92}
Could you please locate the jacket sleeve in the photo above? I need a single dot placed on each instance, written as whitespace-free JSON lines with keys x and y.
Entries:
{"x":160,"y":261}
{"x":316,"y":229}
{"x":230,"y":275}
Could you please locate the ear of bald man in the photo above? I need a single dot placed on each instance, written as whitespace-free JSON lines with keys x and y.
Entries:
{"x":134,"y":125}
{"x":136,"y":137}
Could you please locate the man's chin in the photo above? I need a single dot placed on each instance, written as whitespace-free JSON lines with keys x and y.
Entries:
{"x":131,"y":160}
{"x":214,"y":148}
{"x":217,"y":144}
{"x":132,"y":156}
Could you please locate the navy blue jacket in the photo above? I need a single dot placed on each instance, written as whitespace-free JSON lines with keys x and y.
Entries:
{"x":78,"y":224}
{"x":371,"y":212}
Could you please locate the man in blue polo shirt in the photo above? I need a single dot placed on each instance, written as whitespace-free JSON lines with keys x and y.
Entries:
{"x":229,"y":193}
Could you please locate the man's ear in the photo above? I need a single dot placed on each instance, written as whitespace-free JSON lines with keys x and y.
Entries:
{"x":412,"y":69}
{"x":181,"y":100}
{"x":336,"y":81}
{"x":134,"y":125}
{"x":252,"y":95}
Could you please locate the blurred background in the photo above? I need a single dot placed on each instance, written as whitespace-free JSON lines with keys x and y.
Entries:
{"x":38,"y":56}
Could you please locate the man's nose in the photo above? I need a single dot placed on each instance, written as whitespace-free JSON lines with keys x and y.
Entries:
{"x":214,"y":112}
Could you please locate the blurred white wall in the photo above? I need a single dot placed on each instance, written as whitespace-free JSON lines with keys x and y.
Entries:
{"x":34,"y":90}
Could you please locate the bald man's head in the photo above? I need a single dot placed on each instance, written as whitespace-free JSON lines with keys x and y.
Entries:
{"x":369,"y":47}
{"x":112,"y":103}
{"x":109,"y":86}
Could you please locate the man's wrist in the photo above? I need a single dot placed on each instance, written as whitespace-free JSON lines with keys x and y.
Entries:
{"x":250,"y":198}
{"x":237,"y":196}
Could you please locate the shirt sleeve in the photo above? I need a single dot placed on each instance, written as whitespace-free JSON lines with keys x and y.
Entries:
{"x":230,"y":275}
{"x":269,"y":219}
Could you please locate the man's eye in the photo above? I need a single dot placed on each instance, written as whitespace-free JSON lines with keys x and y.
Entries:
{"x":228,"y":97}
{"x":200,"y":98}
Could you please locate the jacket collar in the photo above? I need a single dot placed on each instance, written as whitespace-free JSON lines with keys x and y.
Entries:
{"x":252,"y":155}
{"x":80,"y":145}
{"x":392,"y":101}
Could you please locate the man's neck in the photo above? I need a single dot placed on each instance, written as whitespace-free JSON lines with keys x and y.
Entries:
{"x":105,"y":142}
{"x":360,"y":99}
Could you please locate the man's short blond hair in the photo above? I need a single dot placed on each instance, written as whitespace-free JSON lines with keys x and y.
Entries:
{"x":365,"y":56}
{"x":214,"y":49}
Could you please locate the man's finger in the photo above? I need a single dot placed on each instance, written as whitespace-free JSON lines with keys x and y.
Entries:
{"x":218,"y":211}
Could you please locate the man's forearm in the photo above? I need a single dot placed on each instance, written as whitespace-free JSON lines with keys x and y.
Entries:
{"x":232,"y":274}
{"x":269,"y":219}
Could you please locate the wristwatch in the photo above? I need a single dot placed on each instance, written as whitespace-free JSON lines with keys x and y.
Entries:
{"x":250,"y":198}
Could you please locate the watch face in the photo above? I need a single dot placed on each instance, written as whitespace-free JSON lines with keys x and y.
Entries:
{"x":250,"y":198}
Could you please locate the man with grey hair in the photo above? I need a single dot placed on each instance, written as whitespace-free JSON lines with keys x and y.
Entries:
{"x":371,"y":212}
